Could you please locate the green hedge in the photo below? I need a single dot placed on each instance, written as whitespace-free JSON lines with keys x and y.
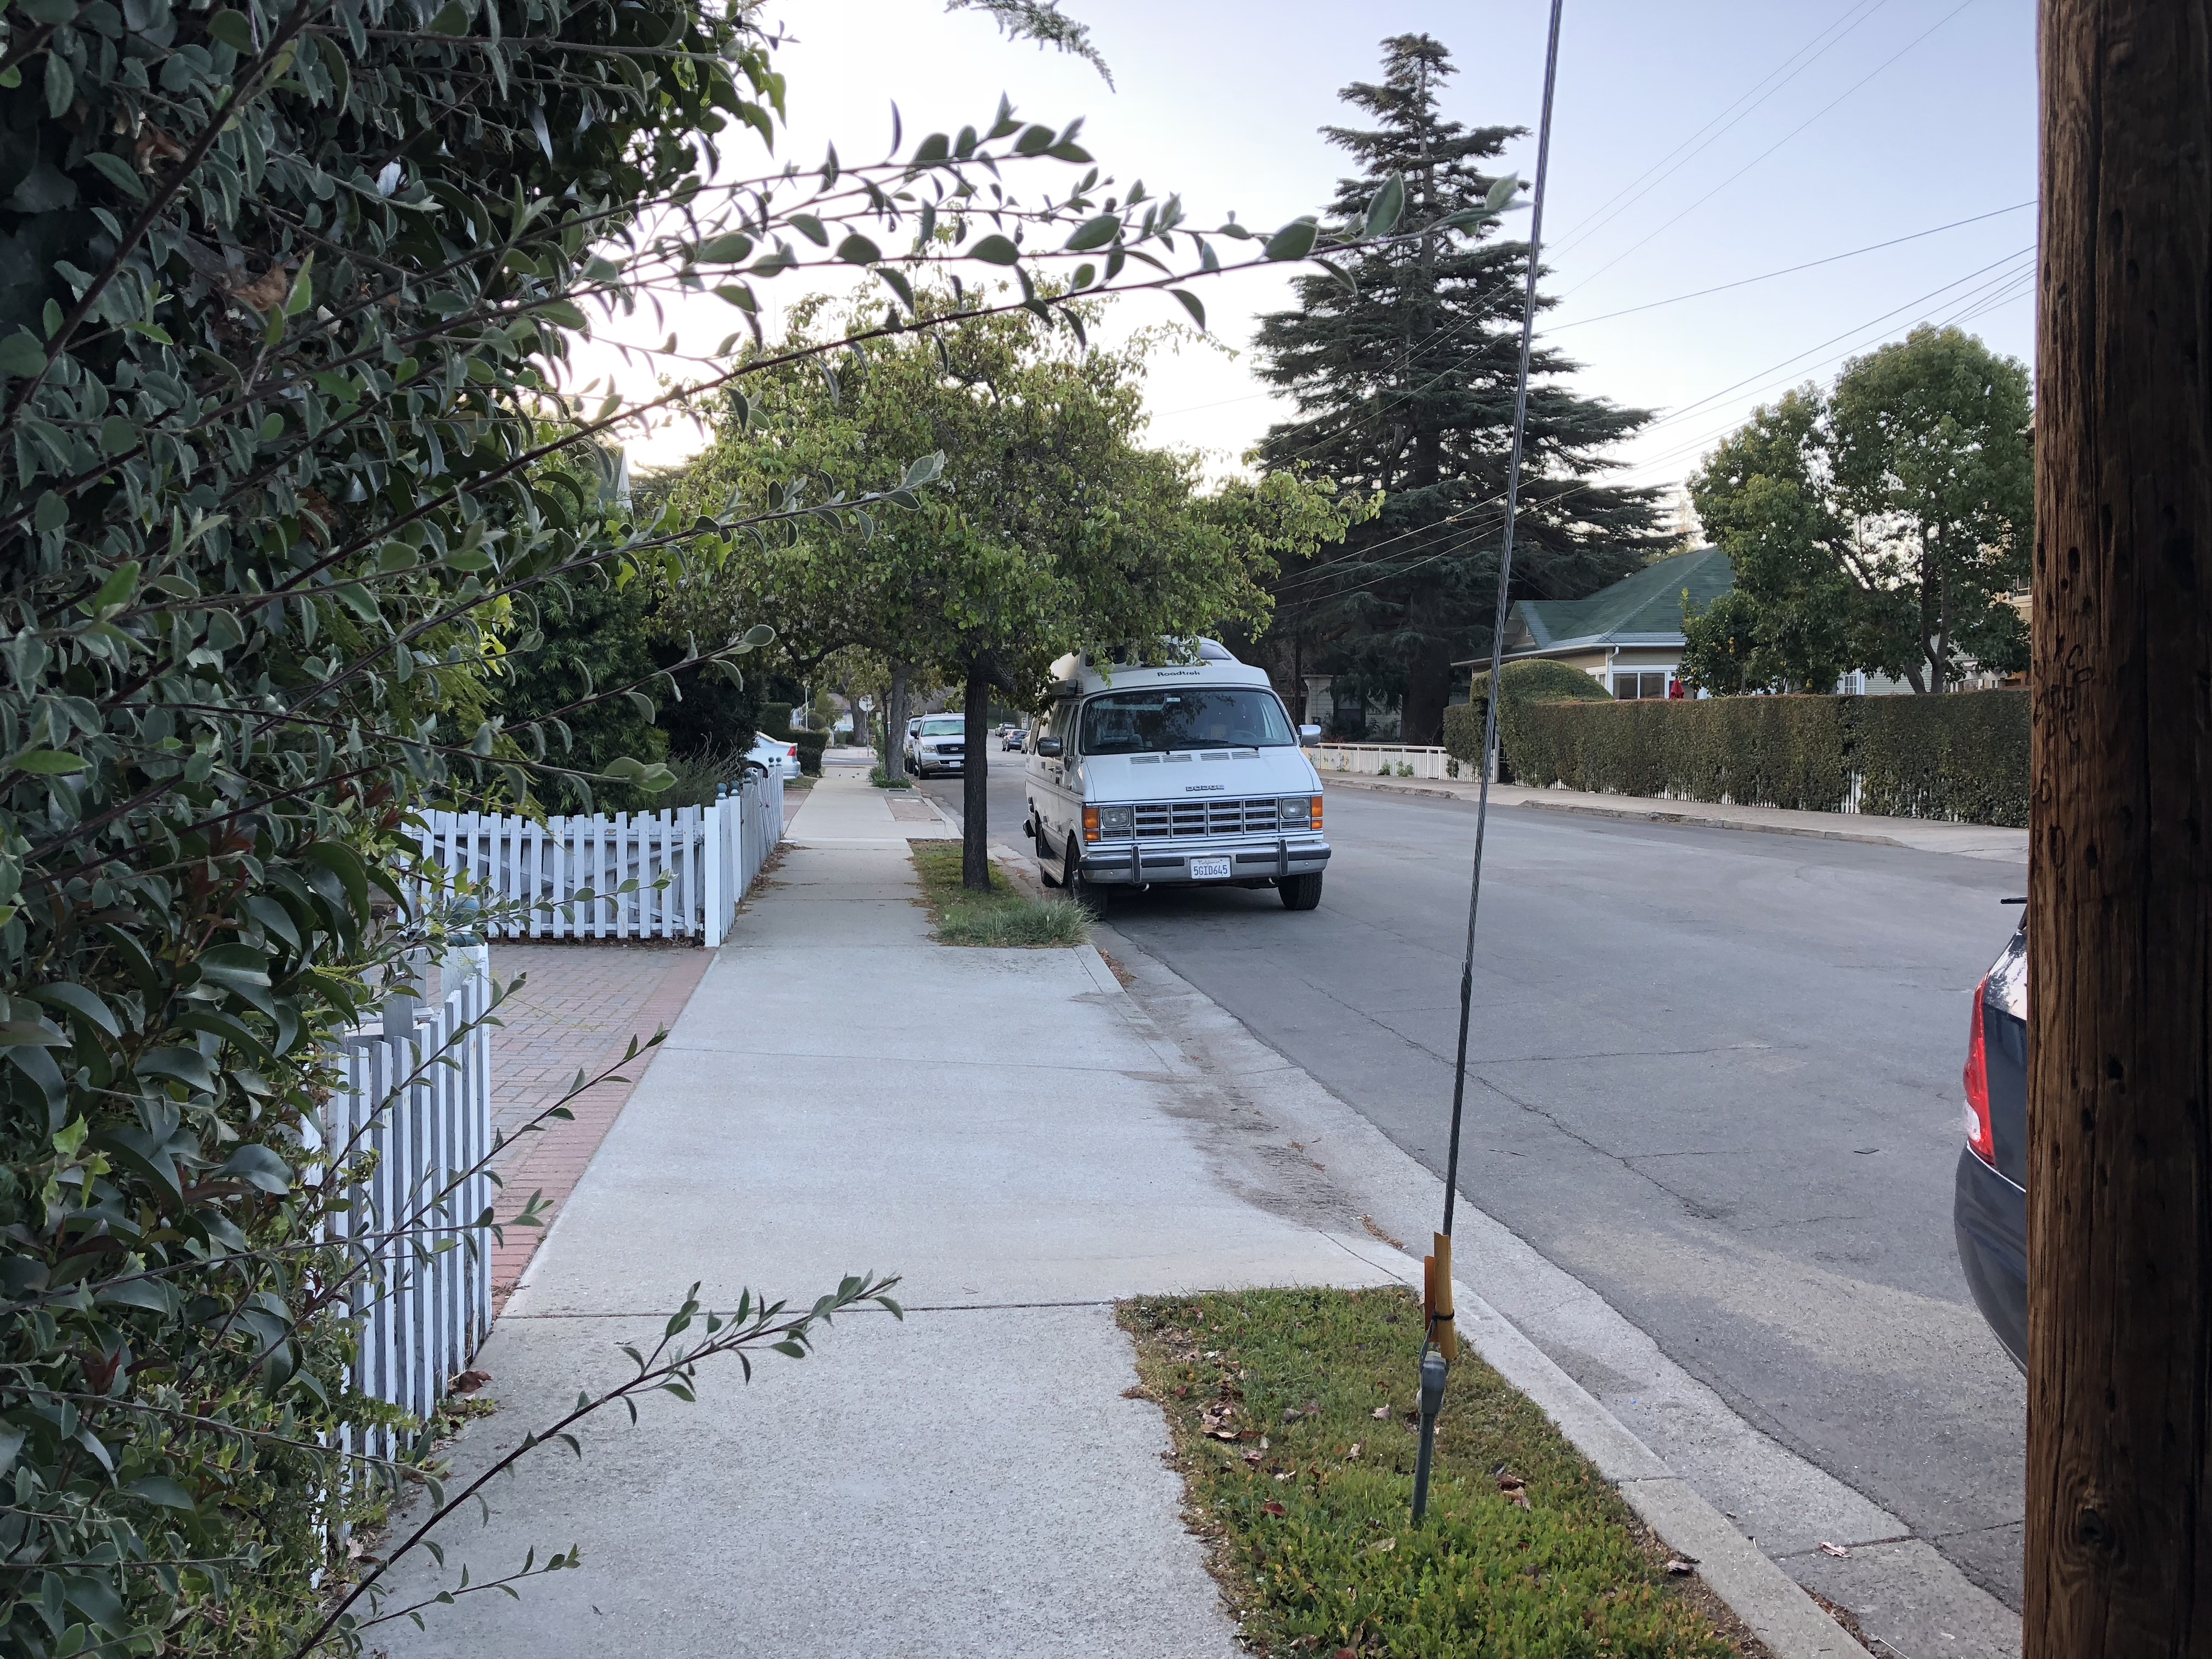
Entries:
{"x":1962,"y":756}
{"x":1525,"y":682}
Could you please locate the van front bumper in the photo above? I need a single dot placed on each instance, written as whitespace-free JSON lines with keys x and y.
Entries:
{"x":1250,"y":863}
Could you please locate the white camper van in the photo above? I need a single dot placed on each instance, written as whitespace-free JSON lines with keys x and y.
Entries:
{"x":1191,"y":773}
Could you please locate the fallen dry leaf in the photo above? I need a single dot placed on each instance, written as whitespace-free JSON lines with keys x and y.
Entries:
{"x":1381,"y":1413}
{"x":468,"y":1382}
{"x":1385,"y":1547}
{"x":1253,"y":1458}
{"x":1679,"y":1564}
{"x":1837,"y":1550}
{"x":1135,"y":1391}
{"x":1514,"y":1488}
{"x":1354,"y":1452}
{"x":267,"y":291}
{"x":1271,"y":1507}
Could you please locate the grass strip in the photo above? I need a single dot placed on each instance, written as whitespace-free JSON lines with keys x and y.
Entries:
{"x":1293,"y":1422}
{"x":884,"y":779}
{"x":1003,"y":919}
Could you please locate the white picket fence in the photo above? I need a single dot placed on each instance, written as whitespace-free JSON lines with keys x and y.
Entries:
{"x":414,"y":1111}
{"x":1384,"y":760}
{"x":691,"y":867}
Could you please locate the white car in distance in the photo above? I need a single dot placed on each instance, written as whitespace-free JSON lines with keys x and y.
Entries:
{"x":773,"y":758}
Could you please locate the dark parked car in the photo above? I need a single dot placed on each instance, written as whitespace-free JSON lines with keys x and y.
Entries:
{"x":1989,"y":1210}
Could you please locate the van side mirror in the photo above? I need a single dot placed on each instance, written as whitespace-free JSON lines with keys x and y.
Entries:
{"x":1047,"y":747}
{"x":1309,"y":734}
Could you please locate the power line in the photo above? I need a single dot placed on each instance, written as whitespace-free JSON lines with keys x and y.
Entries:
{"x":1791,"y":270}
{"x":1599,"y":216}
{"x":1677,"y":218}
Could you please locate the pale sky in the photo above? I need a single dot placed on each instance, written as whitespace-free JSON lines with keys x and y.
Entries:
{"x":1696,"y":142}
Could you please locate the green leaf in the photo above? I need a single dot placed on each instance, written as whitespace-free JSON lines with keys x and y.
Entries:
{"x":1500,"y":194}
{"x":995,"y":250}
{"x":118,"y":434}
{"x":810,"y":227}
{"x":61,"y":85}
{"x":454,"y":19}
{"x":738,"y":295}
{"x":118,"y":173}
{"x":1190,"y":303}
{"x":22,"y":353}
{"x":728,"y":250}
{"x":232,"y":29}
{"x":160,"y":1489}
{"x":52,"y":513}
{"x":119,"y":588}
{"x":560,"y":312}
{"x":1294,"y":240}
{"x":259,"y":1167}
{"x":47,"y":762}
{"x":1095,"y":233}
{"x":1389,"y":202}
{"x":895,"y":280}
{"x":858,"y":250}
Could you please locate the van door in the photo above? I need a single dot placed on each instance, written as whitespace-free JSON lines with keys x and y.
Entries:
{"x":1051,"y":801}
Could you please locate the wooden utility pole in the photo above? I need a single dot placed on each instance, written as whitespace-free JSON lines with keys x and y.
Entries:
{"x":2119,"y":1437}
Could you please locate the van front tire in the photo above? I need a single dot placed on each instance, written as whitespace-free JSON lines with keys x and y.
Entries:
{"x":1300,"y":892}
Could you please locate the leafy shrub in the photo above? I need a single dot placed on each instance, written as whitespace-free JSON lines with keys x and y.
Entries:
{"x":1537,"y":681}
{"x":1962,"y":756}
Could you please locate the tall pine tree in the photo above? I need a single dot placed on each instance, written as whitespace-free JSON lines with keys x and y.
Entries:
{"x":1405,"y":386}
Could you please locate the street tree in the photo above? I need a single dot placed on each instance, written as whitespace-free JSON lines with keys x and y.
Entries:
{"x":1050,"y":527}
{"x":1879,"y":526}
{"x":1402,"y":371}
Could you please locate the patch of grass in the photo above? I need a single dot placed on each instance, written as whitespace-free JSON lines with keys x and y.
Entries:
{"x":884,"y":779}
{"x":1305,"y":1495}
{"x":1005,"y":919}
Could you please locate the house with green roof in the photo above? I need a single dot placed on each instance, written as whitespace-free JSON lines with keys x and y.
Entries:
{"x":1628,"y":637}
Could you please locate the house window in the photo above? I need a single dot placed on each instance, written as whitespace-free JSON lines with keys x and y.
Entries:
{"x":1645,"y":683}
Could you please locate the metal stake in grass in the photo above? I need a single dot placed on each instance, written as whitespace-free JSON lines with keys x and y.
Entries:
{"x":1441,"y":1345}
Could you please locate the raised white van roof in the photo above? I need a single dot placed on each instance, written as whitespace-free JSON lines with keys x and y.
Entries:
{"x":1208,"y":662}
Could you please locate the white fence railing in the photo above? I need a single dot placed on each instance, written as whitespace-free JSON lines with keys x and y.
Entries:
{"x":686,"y":871}
{"x":1383,"y":760}
{"x":414,"y":1111}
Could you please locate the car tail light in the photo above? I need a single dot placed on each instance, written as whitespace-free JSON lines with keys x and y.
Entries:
{"x":1979,"y":1135}
{"x":791,"y":751}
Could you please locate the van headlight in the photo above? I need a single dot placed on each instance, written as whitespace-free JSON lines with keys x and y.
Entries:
{"x":1117,"y":822}
{"x":1295,"y":809}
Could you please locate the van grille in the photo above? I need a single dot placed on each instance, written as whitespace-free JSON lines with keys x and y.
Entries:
{"x":1165,"y":820}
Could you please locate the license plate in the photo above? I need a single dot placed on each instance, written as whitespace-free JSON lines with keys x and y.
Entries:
{"x":1209,"y":869}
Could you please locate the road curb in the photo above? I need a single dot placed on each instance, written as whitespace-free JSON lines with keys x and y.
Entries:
{"x":1638,"y":814}
{"x":1772,"y":1605}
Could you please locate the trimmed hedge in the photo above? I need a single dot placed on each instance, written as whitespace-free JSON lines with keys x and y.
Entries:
{"x":1525,"y":682}
{"x":1963,"y":756}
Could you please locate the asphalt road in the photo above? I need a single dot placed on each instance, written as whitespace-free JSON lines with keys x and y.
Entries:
{"x":1714,"y":1074}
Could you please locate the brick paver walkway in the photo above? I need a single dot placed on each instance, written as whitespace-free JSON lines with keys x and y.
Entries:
{"x":578,"y":1008}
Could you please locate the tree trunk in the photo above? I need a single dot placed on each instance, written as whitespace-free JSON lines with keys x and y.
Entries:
{"x":895,"y":717}
{"x":2119,"y":1227}
{"x":975,"y":780}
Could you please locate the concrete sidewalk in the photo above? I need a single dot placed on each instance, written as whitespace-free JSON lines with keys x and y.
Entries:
{"x":999,"y":1129}
{"x":1973,"y":840}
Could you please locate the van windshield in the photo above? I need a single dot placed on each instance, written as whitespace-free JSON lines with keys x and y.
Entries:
{"x":1186,"y":717}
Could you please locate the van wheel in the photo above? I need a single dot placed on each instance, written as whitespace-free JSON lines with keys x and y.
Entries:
{"x":1088,"y":894}
{"x":1300,"y":892}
